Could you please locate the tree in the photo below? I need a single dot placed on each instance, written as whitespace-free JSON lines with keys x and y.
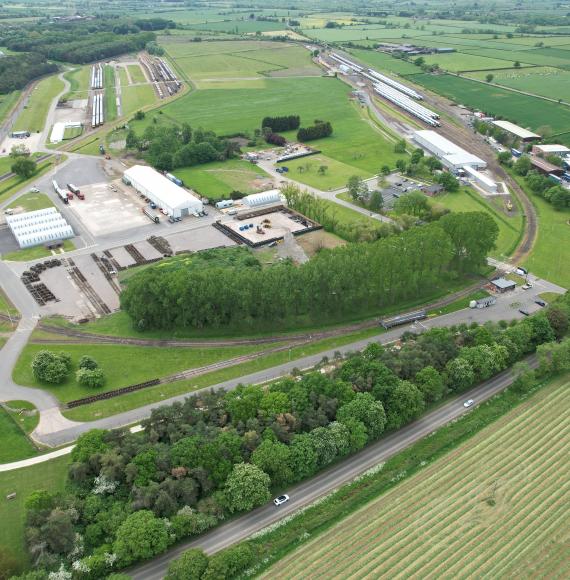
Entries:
{"x":419,"y":61}
{"x":367,"y":410}
{"x":401,"y":165}
{"x":91,"y":378}
{"x":50,"y":367}
{"x":448,"y":180}
{"x":87,"y":362}
{"x":489,"y":77}
{"x":246,"y":487}
{"x":414,"y":203}
{"x":505,"y":158}
{"x":303,"y":458}
{"x":190,"y":566}
{"x":459,"y":374}
{"x":400,"y":146}
{"x":522,"y":165}
{"x":356,"y":187}
{"x":8,"y":564}
{"x":560,"y":199}
{"x":558,"y":320}
{"x":385,"y":170}
{"x":405,"y":404}
{"x":376,"y":202}
{"x":88,"y":444}
{"x":430,"y":383}
{"x":24,"y":167}
{"x":323,"y":169}
{"x":140,"y":537}
{"x":274,"y":457}
{"x":417,"y":155}
{"x":19,"y":151}
{"x":517,"y":64}
{"x":132,"y":141}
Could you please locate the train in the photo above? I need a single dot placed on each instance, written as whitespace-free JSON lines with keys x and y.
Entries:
{"x":97,"y":77}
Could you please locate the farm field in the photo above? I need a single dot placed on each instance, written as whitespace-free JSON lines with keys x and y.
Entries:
{"x":239,"y":25}
{"x":460,"y":61}
{"x":134,"y":98}
{"x":220,"y":178}
{"x":123,"y":365}
{"x":50,"y":475}
{"x":384,"y":62}
{"x":353,"y":142}
{"x":522,"y":109}
{"x":123,"y":77}
{"x":495,"y":507}
{"x":539,"y":56}
{"x":33,"y":117}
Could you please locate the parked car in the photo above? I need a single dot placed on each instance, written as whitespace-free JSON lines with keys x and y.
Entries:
{"x":540,"y":302}
{"x":468,"y":403}
{"x":281,"y":499}
{"x":521,"y":271}
{"x":34,"y":190}
{"x":527,"y":286}
{"x":524,"y":311}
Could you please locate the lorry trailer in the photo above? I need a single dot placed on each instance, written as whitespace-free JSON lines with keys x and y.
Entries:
{"x":150,"y":215}
{"x":75,"y":190}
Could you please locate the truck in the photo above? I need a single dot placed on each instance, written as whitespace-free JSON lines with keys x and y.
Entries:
{"x":75,"y":190}
{"x":64,"y":195}
{"x":150,"y":215}
{"x":174,"y":179}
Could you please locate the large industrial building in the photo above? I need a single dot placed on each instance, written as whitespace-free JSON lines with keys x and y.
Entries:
{"x":43,"y":226}
{"x":451,"y":156}
{"x":175,"y":200}
{"x":520,"y":132}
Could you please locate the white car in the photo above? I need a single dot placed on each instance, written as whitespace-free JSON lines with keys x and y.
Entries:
{"x":34,"y":190}
{"x":468,"y":403}
{"x":281,"y":499}
{"x":527,"y":286}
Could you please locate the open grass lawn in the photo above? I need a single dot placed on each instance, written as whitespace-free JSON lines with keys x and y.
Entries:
{"x":33,"y":117}
{"x":239,"y":25}
{"x":384,"y":62}
{"x":123,"y":365}
{"x":35,"y":252}
{"x":31,"y":202}
{"x":25,"y":414}
{"x":80,"y":82}
{"x":14,"y":184}
{"x":539,"y":56}
{"x":337,"y":173}
{"x":495,"y":507}
{"x":137,"y":75}
{"x":15,"y":444}
{"x":522,"y":109}
{"x":72,"y":133}
{"x":110,"y":101}
{"x":7,"y":102}
{"x":354,"y":142}
{"x":459,"y":61}
{"x":509,"y":227}
{"x":220,"y":178}
{"x":123,"y":77}
{"x":50,"y":476}
{"x":136,"y":97}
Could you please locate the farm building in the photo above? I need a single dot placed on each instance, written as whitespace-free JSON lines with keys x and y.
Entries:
{"x":481,"y":180}
{"x":545,"y":167}
{"x":451,"y":155}
{"x":503,"y":285}
{"x":34,"y":228}
{"x":263,"y":198}
{"x":560,"y":150}
{"x":520,"y":132}
{"x":164,"y":193}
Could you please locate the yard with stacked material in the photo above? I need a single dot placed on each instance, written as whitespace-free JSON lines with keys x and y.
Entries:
{"x":494,"y":507}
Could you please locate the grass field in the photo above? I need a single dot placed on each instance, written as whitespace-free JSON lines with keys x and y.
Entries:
{"x":526,"y":110}
{"x":32,"y":201}
{"x":494,"y":507}
{"x":25,"y":414}
{"x":110,"y":101}
{"x":15,"y":444}
{"x":220,"y":178}
{"x":80,"y":83}
{"x":458,"y":61}
{"x":14,"y":184}
{"x":136,"y":73}
{"x":384,"y":62}
{"x":50,"y":476}
{"x":123,"y":77}
{"x":33,"y":117}
{"x":123,"y":365}
{"x":35,"y":252}
{"x":136,"y":97}
{"x":7,"y":102}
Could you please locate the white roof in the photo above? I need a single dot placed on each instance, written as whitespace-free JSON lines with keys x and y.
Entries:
{"x":451,"y":153}
{"x":553,"y":148}
{"x":464,"y":158}
{"x":516,"y":130}
{"x":270,"y":196}
{"x":35,"y":227}
{"x":480,"y":176}
{"x":440,"y":142}
{"x":169,"y":193}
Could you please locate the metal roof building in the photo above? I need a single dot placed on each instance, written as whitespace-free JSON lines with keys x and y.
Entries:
{"x":545,"y":167}
{"x":450,"y":154}
{"x":503,"y":285}
{"x":263,"y":198}
{"x":517,"y":131}
{"x":34,"y":228}
{"x":560,"y":150}
{"x":481,"y":180}
{"x":164,"y":193}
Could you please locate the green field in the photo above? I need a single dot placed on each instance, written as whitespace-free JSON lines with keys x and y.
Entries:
{"x":24,"y":414}
{"x":123,"y":77}
{"x":14,"y":184}
{"x":31,"y":202}
{"x":354,"y":141}
{"x":525,"y":110}
{"x":384,"y":62}
{"x":136,"y":73}
{"x":80,"y":83}
{"x":539,"y":56}
{"x":35,"y":253}
{"x":136,"y":97}
{"x":15,"y":444}
{"x":496,"y":507}
{"x":219,"y":178}
{"x":33,"y":117}
{"x":72,"y":133}
{"x":7,"y":102}
{"x":123,"y":365}
{"x":459,"y":61}
{"x":110,"y":101}
{"x":50,"y":476}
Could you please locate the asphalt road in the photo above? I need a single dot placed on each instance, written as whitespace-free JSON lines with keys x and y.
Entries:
{"x":328,"y":480}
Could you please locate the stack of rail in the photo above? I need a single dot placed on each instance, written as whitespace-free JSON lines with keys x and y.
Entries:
{"x":395,"y":84}
{"x":97,"y":77}
{"x":97,"y":114}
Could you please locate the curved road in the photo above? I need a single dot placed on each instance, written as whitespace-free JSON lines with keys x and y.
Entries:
{"x":327,"y":481}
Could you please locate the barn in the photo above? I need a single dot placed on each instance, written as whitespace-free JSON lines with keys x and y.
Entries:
{"x":175,"y":200}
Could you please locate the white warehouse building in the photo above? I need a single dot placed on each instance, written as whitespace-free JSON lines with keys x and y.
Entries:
{"x":480,"y":179}
{"x":263,"y":198}
{"x":451,"y":155}
{"x":42,"y":226}
{"x":167,"y":195}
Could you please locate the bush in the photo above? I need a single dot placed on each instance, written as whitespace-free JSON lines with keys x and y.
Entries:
{"x":319,"y":130}
{"x":190,"y":566}
{"x":277,"y":124}
{"x":275,"y":139}
{"x":50,"y":367}
{"x":86,"y":362}
{"x":91,"y":378}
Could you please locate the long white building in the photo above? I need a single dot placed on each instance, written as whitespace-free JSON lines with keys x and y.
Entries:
{"x":34,"y":228}
{"x":177,"y":201}
{"x":451,"y":155}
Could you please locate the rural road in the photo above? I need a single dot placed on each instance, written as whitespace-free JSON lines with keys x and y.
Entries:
{"x":327,"y":481}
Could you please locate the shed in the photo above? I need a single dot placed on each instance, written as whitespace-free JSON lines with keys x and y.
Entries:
{"x":551,"y":149}
{"x":175,"y":200}
{"x":480,"y":179}
{"x":545,"y":167}
{"x":520,"y":132}
{"x":450,"y":154}
{"x":502,"y":285}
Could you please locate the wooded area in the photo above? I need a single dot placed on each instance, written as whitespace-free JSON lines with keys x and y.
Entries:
{"x":16,"y":71}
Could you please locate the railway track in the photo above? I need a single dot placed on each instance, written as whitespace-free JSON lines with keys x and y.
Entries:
{"x":77,"y":276}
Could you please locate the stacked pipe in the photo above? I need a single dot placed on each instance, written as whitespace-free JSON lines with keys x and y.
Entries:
{"x":395,"y":84}
{"x":97,"y":116}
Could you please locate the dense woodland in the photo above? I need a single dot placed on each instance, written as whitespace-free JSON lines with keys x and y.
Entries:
{"x":352,"y":280}
{"x":130,"y":496}
{"x":16,"y":71}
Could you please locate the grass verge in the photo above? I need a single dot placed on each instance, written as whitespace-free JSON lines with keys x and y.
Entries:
{"x":15,"y":443}
{"x":35,"y":253}
{"x":33,"y":117}
{"x":31,"y":202}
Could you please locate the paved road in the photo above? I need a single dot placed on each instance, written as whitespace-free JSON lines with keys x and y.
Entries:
{"x":327,"y":481}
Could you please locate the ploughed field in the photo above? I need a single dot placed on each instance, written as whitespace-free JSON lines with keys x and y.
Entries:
{"x":495,"y":507}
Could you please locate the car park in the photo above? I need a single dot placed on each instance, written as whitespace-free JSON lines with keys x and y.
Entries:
{"x":281,"y":500}
{"x":468,"y":403}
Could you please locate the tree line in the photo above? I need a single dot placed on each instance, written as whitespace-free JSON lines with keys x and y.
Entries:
{"x":130,"y":496}
{"x":319,"y":130}
{"x":17,"y":70}
{"x":277,"y":124}
{"x":352,"y":280}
